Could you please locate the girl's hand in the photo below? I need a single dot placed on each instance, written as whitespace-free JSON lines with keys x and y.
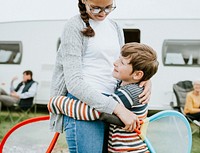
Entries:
{"x":144,"y":97}
{"x":130,"y":120}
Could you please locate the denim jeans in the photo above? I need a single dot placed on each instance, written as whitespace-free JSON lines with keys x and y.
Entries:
{"x":84,"y":136}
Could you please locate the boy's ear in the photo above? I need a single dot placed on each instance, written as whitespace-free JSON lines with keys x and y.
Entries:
{"x":137,"y":75}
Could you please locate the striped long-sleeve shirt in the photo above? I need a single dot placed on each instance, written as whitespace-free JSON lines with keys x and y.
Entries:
{"x":119,"y":139}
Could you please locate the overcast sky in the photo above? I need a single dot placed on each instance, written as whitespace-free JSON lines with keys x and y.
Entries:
{"x":19,"y":10}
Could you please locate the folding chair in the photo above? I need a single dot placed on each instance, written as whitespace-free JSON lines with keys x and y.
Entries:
{"x":23,"y":108}
{"x":180,"y":90}
{"x":30,"y":136}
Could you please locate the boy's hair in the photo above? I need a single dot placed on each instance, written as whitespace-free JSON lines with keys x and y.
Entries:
{"x":142,"y":57}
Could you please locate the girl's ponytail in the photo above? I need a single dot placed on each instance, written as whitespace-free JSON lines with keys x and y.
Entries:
{"x":88,"y":31}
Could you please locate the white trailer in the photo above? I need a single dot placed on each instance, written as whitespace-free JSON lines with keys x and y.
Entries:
{"x":156,"y":23}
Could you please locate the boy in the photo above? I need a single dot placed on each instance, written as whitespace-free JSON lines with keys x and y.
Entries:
{"x":138,"y":62}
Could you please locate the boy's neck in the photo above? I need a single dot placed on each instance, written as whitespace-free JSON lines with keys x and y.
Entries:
{"x":123,"y":83}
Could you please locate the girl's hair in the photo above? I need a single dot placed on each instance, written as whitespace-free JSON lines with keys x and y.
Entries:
{"x":88,"y":31}
{"x":142,"y":58}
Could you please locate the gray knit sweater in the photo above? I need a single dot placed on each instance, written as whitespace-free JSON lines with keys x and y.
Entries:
{"x":67,"y":76}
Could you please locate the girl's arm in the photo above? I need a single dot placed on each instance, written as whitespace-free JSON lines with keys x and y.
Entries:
{"x":68,"y":71}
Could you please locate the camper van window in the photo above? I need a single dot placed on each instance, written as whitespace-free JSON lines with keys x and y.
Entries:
{"x":181,"y":52}
{"x":131,"y":35}
{"x":10,"y":52}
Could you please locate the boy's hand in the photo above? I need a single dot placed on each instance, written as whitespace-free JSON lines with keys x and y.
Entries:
{"x":130,"y":120}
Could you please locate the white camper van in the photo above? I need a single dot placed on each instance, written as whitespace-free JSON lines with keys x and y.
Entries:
{"x":30,"y":32}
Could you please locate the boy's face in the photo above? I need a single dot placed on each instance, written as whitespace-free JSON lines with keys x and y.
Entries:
{"x":123,"y":70}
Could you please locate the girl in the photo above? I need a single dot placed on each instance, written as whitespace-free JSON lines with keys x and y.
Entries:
{"x":90,"y":43}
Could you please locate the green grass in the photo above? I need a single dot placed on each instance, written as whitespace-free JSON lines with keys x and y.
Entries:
{"x":195,"y":139}
{"x":6,"y":124}
{"x":61,"y":146}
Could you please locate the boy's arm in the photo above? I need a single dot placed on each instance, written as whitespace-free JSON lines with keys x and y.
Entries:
{"x":79,"y":110}
{"x":72,"y":108}
{"x":111,"y":119}
{"x":129,"y":97}
{"x":122,"y":97}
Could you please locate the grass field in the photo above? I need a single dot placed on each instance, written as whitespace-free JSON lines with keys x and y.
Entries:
{"x":5,"y":125}
{"x":61,"y":146}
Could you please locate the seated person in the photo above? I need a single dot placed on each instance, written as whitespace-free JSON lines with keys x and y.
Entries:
{"x":138,"y":62}
{"x":25,"y":91}
{"x":192,"y":105}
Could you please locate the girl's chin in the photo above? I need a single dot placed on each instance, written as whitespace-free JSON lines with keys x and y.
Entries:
{"x":100,"y":18}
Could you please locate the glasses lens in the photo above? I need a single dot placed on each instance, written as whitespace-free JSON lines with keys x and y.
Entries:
{"x":95,"y":10}
{"x":108,"y":10}
{"x":98,"y":10}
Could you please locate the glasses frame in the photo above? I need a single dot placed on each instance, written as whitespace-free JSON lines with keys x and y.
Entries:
{"x":100,"y":9}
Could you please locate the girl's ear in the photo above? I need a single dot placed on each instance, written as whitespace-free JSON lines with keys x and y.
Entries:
{"x":137,"y":75}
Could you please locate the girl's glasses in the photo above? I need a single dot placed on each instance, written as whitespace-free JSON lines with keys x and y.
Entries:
{"x":97,"y":10}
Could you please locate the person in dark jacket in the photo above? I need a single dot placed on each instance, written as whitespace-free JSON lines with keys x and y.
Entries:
{"x":25,"y":91}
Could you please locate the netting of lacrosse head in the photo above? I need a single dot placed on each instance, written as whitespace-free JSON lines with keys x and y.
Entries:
{"x":169,"y":131}
{"x":29,"y":138}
